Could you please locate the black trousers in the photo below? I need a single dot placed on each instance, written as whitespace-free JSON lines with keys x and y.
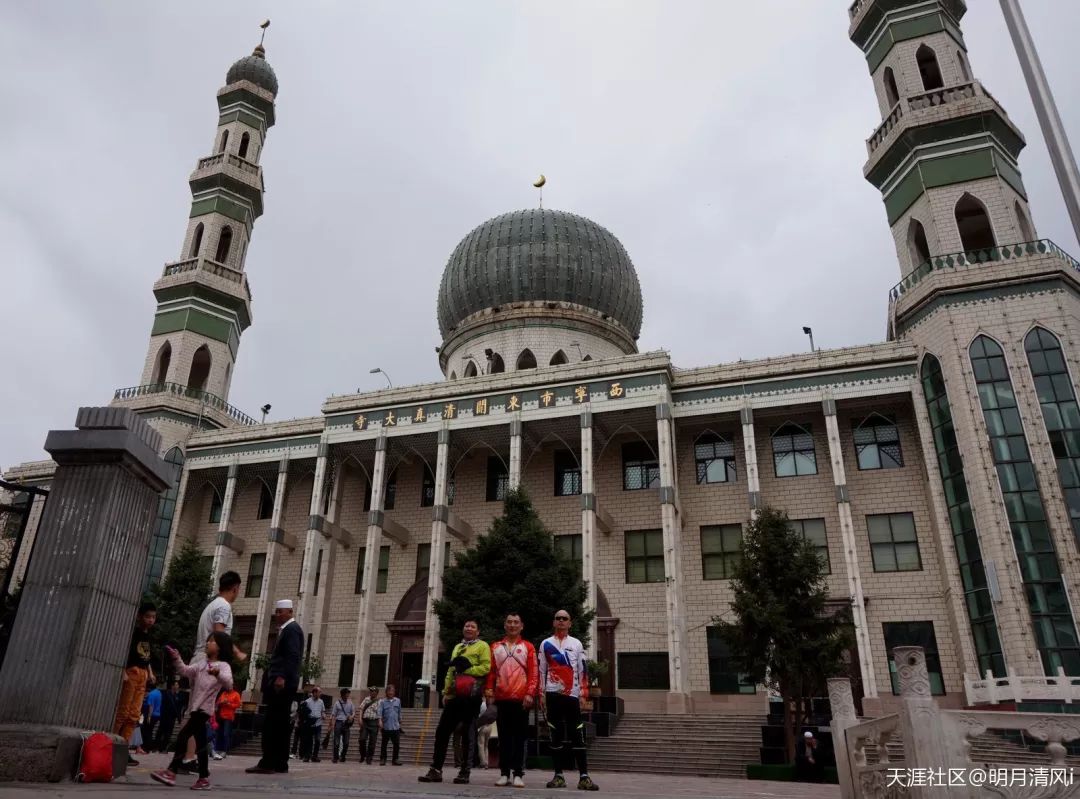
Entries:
{"x":567,"y":732}
{"x":164,"y":733}
{"x":195,"y":727}
{"x":310,"y":739}
{"x":389,"y":736}
{"x":276,"y":728}
{"x":371,"y":737}
{"x":459,"y":710}
{"x":513,"y":721}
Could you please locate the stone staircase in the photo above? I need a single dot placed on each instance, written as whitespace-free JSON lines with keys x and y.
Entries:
{"x":989,"y":750}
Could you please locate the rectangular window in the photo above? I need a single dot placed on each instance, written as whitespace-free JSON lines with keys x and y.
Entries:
{"x":641,"y":468}
{"x":813,"y":530}
{"x":570,"y":545}
{"x":893,"y":542}
{"x":256,"y":567}
{"x":715,"y":458}
{"x":345,"y":671}
{"x":215,"y":507}
{"x":914,"y":633}
{"x":376,"y":670}
{"x":318,"y":573}
{"x":721,"y":550}
{"x":423,"y":560}
{"x":644,"y":556}
{"x":427,"y":491}
{"x":793,"y":451}
{"x":498,"y":480}
{"x":391,"y":491}
{"x":724,"y":678}
{"x":877,"y":443}
{"x":643,"y":670}
{"x":266,"y":501}
{"x":384,"y":570}
{"x":567,"y":474}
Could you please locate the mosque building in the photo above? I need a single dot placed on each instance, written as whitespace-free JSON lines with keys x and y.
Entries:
{"x":937,"y":472}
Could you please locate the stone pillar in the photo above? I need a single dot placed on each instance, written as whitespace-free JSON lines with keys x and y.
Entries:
{"x":851,"y":552}
{"x":70,"y":641}
{"x":678,"y":699}
{"x":753,"y":481}
{"x":842,"y":704}
{"x":362,"y":648}
{"x":223,"y":525}
{"x":324,"y":599}
{"x":921,"y":725}
{"x":588,"y":528}
{"x":440,"y":514}
{"x":515,"y":452}
{"x":275,"y":542}
{"x":312,"y":542}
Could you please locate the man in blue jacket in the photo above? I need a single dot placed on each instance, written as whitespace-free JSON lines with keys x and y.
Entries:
{"x":280,"y":682}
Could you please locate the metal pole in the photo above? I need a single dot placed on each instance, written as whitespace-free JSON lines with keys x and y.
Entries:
{"x":1049,"y":120}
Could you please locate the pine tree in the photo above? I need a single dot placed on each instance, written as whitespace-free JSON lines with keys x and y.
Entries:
{"x":515,"y":567}
{"x":180,"y":600}
{"x":782,"y":634}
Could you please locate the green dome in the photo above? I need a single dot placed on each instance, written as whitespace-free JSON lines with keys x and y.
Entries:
{"x":256,"y":69}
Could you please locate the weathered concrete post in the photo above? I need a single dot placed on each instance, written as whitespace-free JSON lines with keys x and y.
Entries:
{"x":70,"y":640}
{"x":842,"y":703}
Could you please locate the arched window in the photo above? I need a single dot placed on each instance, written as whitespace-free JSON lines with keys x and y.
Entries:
{"x":793,"y":450}
{"x":973,"y":223}
{"x":918,"y":249}
{"x":245,"y":140}
{"x":587,"y":358}
{"x":224,"y":244}
{"x":453,"y":375}
{"x":526,"y":360}
{"x":470,"y":369}
{"x":215,"y":506}
{"x":196,"y":241}
{"x":497,"y":364}
{"x":965,"y":73}
{"x":926,"y":58}
{"x":892,"y":96}
{"x":1027,"y":232}
{"x":224,"y":141}
{"x":161,"y":369}
{"x":200,"y":369}
{"x":558,"y":359}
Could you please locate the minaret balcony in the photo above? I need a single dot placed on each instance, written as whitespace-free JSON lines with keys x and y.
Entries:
{"x":872,"y":12}
{"x":231,"y":173}
{"x":204,"y":267}
{"x":203,"y":405}
{"x":240,"y":168}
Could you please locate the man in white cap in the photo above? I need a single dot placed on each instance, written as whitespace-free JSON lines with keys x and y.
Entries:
{"x":280,"y":682}
{"x":807,"y":765}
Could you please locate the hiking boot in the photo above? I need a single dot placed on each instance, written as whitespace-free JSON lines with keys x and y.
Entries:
{"x":165,"y":777}
{"x":519,"y":782}
{"x":586,"y":784}
{"x":502,"y":782}
{"x":433,"y":775}
{"x":462,"y":778}
{"x":201,"y":784}
{"x":558,"y":781}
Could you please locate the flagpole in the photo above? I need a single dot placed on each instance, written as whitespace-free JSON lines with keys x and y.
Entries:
{"x":1053,"y":130}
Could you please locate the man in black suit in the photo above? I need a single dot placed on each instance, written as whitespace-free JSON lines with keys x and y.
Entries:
{"x":280,"y":682}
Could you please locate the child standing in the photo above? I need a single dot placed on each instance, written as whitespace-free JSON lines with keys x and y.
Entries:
{"x":206,"y":679}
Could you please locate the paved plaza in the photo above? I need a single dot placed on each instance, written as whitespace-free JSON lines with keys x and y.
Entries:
{"x":353,"y":779}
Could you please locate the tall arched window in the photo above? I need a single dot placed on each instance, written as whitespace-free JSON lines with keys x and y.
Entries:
{"x":161,"y":368}
{"x":470,"y":369}
{"x":496,"y":364}
{"x":159,"y":541}
{"x":200,"y":369}
{"x":892,"y":96}
{"x":929,"y":69}
{"x":973,"y":223}
{"x":224,"y":244}
{"x":224,"y":141}
{"x":1026,"y":230}
{"x":918,"y":248}
{"x":965,"y":73}
{"x":245,"y":140}
{"x":196,"y":241}
{"x":526,"y":360}
{"x":558,"y":359}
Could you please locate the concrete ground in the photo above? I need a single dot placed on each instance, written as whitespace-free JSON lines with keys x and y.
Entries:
{"x":326,"y":779}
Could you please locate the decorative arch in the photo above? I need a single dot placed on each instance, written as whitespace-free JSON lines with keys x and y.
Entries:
{"x":965,"y":72}
{"x":1027,"y":231}
{"x":224,"y":245}
{"x":200,"y":369}
{"x":470,"y":369}
{"x":526,"y":360}
{"x":558,"y":359}
{"x":892,"y":95}
{"x":196,"y":241}
{"x":973,"y":224}
{"x":929,"y":69}
{"x":161,"y":367}
{"x":224,"y":141}
{"x":918,"y":247}
{"x":453,"y":375}
{"x":245,"y":141}
{"x":587,"y":358}
{"x":496,"y":364}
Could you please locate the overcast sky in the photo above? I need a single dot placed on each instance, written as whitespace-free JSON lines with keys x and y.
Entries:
{"x":721,"y":142}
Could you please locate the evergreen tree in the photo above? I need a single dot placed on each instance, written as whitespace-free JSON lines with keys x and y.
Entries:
{"x":515,"y":567}
{"x":782,"y":635}
{"x":180,"y":600}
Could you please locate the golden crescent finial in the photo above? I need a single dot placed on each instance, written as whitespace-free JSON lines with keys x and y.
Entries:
{"x":540,"y":181}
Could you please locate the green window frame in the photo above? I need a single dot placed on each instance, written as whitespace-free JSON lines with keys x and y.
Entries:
{"x":894,"y":542}
{"x":570,"y":545}
{"x":724,"y":678}
{"x":384,"y":570}
{"x":159,"y":542}
{"x":423,"y":560}
{"x":256,"y":569}
{"x":644,"y":556}
{"x":721,"y":550}
{"x":814,"y":531}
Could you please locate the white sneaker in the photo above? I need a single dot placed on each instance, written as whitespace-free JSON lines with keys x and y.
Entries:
{"x":218,"y":756}
{"x":518,"y":782}
{"x":502,"y":782}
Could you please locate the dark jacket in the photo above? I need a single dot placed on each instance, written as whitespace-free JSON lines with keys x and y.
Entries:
{"x":285,"y":661}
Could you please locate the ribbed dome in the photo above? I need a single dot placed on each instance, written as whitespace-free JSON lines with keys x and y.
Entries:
{"x":256,"y":69}
{"x":540,"y":255}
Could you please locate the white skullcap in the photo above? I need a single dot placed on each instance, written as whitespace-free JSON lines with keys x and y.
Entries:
{"x":283,"y":604}
{"x":808,"y":734}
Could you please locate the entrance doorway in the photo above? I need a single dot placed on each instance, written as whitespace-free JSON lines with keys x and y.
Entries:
{"x":411,"y":669}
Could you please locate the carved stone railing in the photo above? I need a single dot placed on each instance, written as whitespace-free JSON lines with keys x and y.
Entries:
{"x":244,"y":164}
{"x":886,"y":127}
{"x":870,"y":776}
{"x":206,"y":265}
{"x":204,"y":398}
{"x":211,"y":160}
{"x":920,"y":102}
{"x":856,"y":7}
{"x":991,"y":690}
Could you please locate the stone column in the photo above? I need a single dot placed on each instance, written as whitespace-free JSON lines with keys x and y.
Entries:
{"x":753,"y":481}
{"x":440,"y":514}
{"x":842,"y":704}
{"x":324,"y":599}
{"x":678,"y":700}
{"x":588,"y":528}
{"x":921,"y":725}
{"x":312,"y":542}
{"x":851,"y":552}
{"x":515,"y":452}
{"x":220,"y":547}
{"x":70,"y":641}
{"x":362,"y":648}
{"x":274,"y":544}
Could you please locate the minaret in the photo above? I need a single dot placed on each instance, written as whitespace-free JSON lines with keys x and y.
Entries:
{"x":992,"y":312}
{"x":204,"y":299}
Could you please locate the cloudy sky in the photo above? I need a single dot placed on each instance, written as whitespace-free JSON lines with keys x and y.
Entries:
{"x":721,"y":142}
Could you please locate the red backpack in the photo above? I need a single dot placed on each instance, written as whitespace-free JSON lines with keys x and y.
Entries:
{"x":97,"y":757}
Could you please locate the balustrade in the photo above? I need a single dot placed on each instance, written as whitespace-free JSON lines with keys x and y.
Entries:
{"x":204,"y":398}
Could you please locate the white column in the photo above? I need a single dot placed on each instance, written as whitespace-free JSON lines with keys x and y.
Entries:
{"x":273,"y":555}
{"x":223,"y":524}
{"x":438,"y":561}
{"x":362,"y":647}
{"x":515,"y":452}
{"x":676,"y":603}
{"x":312,"y":543}
{"x":753,"y":481}
{"x":588,"y":528}
{"x":324,"y":599}
{"x":851,"y":552}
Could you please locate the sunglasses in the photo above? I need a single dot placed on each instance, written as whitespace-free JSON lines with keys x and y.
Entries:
{"x":562,"y":618}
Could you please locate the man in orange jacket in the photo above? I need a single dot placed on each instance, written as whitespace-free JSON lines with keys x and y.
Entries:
{"x":512,"y":684}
